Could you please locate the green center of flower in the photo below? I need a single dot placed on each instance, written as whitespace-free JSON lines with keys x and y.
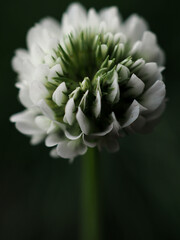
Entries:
{"x":83,"y":55}
{"x":94,"y":68}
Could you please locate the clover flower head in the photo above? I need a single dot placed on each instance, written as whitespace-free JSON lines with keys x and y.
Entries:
{"x":88,"y":80}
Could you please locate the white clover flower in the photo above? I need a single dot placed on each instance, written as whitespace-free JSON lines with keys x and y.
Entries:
{"x":88,"y":80}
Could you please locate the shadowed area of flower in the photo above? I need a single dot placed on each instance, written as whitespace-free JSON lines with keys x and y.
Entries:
{"x":88,"y":81}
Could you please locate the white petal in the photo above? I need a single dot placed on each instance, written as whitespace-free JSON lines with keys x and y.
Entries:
{"x":74,"y":17}
{"x":112,"y":18}
{"x":83,"y":121}
{"x":149,"y":49}
{"x":58,"y":96}
{"x":123,"y":72}
{"x":119,"y":38}
{"x":52,"y":140}
{"x":27,"y":128}
{"x":150,"y":73}
{"x":71,"y":149}
{"x":53,"y":153}
{"x":118,"y":50}
{"x":43,"y":122}
{"x":48,"y":60}
{"x":136,"y":86}
{"x":53,"y":127}
{"x":72,"y":137}
{"x":104,"y":132}
{"x":70,"y":108}
{"x":75,"y":94}
{"x":114,"y":94}
{"x":157,"y":113}
{"x":83,"y":101}
{"x":42,"y":33}
{"x":37,"y":55}
{"x":97,"y":105}
{"x":134,"y":27}
{"x":142,"y":109}
{"x":138,"y":64}
{"x":41,"y":73}
{"x":116,"y":124}
{"x":21,"y":55}
{"x":52,"y":25}
{"x":102,"y":27}
{"x":25,"y":122}
{"x":38,"y":91}
{"x":23,"y":116}
{"x":154,"y":96}
{"x":53,"y":72}
{"x":131,"y":114}
{"x":73,"y":132}
{"x":22,"y":64}
{"x":93,"y":18}
{"x":46,"y":110}
{"x":136,"y":49}
{"x":34,"y":36}
{"x":24,"y":95}
{"x":35,"y":139}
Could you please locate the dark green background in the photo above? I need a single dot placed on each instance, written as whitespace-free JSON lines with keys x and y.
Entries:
{"x":140,"y":185}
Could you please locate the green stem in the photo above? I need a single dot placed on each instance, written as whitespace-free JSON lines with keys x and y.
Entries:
{"x":90,"y":225}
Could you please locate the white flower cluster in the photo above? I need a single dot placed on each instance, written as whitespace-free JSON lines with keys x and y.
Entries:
{"x":88,"y":80}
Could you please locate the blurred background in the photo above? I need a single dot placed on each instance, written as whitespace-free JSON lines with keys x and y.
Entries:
{"x":140,"y":185}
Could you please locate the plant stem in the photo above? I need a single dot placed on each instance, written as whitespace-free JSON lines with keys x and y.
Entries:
{"x":90,"y":225}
